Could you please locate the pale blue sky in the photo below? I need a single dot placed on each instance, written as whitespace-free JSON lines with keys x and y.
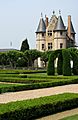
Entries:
{"x":19,"y":19}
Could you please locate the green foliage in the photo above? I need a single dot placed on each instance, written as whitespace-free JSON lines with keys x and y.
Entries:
{"x":60,"y":63}
{"x":32,"y":109}
{"x":75,"y":64}
{"x":66,"y":62}
{"x":50,"y":68}
{"x":25,"y":45}
{"x":13,"y":57}
{"x":44,"y":57}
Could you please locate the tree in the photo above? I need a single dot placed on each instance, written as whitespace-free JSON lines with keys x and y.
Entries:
{"x":13,"y":57}
{"x":25,"y":45}
{"x":44,"y":57}
{"x":31,"y":56}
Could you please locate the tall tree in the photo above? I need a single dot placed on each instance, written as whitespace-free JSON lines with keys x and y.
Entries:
{"x":25,"y":45}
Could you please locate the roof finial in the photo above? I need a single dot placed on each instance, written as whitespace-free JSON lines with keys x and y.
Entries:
{"x":41,"y":14}
{"x":53,"y":12}
{"x":59,"y":12}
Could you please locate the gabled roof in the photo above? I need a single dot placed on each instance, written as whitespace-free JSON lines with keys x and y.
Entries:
{"x":59,"y":25}
{"x":41,"y":26}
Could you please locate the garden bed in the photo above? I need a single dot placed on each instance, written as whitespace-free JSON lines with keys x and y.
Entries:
{"x":35,"y":108}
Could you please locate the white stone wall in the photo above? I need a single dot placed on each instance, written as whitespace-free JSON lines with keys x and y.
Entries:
{"x":59,"y":39}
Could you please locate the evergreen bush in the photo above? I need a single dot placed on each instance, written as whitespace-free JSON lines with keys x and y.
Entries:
{"x":59,"y":63}
{"x":75,"y":64}
{"x":66,"y":62}
{"x":50,"y":68}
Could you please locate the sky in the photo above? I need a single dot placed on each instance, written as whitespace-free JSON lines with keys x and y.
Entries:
{"x":19,"y":19}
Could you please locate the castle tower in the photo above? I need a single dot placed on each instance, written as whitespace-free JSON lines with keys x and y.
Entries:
{"x":59,"y":34}
{"x":40,"y":38}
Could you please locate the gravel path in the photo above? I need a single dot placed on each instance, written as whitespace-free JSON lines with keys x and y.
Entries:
{"x":30,"y":94}
{"x":60,"y":115}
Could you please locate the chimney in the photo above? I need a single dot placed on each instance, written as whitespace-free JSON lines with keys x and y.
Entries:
{"x":69,"y":26}
{"x":46,"y":21}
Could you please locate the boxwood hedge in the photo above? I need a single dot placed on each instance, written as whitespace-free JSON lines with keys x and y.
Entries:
{"x":32,"y":109}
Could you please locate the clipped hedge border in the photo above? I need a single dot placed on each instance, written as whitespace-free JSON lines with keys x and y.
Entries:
{"x":37,"y":85}
{"x":21,"y":71}
{"x":35,"y":108}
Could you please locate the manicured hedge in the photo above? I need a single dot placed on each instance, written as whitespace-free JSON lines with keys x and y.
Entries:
{"x":21,"y":71}
{"x":50,"y":68}
{"x":50,"y":83}
{"x":60,"y":64}
{"x":66,"y":62}
{"x":32,"y":109}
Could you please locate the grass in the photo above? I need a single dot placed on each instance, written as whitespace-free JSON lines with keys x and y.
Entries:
{"x":34,"y":80}
{"x":74,"y":117}
{"x":38,"y":107}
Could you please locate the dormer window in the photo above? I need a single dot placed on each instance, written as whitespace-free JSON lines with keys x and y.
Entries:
{"x":50,"y":33}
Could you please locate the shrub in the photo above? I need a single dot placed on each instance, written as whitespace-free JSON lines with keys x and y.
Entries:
{"x":60,"y":63}
{"x":50,"y":68}
{"x":32,"y":109}
{"x":66,"y":62}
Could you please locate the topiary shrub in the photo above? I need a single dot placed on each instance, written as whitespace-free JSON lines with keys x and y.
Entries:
{"x":60,"y":63}
{"x":50,"y":68}
{"x":75,"y":64}
{"x":66,"y":62}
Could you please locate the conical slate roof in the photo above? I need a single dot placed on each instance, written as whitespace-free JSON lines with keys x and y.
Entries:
{"x":59,"y":25}
{"x":41,"y":26}
{"x":72,"y":28}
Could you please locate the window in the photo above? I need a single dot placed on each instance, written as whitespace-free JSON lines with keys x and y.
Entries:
{"x":49,"y":46}
{"x":61,"y":33}
{"x":42,"y":46}
{"x":61,"y":45}
{"x":42,"y":34}
{"x":49,"y":33}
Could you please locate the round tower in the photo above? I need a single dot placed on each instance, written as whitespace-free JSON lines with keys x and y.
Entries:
{"x":59,"y":34}
{"x":41,"y":38}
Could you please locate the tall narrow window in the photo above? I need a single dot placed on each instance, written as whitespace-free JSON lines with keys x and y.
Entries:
{"x":50,"y":33}
{"x":61,"y":33}
{"x":42,"y":46}
{"x":61,"y":45}
{"x":42,"y":34}
{"x":49,"y":46}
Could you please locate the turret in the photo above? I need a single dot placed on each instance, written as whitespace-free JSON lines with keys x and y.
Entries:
{"x":59,"y":34}
{"x":40,"y":35}
{"x":41,"y":38}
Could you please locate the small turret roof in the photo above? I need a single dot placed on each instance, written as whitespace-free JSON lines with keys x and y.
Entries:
{"x":41,"y":26}
{"x":59,"y":25}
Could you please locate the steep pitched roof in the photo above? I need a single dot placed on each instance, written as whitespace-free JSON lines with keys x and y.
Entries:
{"x":41,"y":26}
{"x":59,"y":25}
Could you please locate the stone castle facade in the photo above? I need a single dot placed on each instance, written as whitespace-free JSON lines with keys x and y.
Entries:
{"x":53,"y":34}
